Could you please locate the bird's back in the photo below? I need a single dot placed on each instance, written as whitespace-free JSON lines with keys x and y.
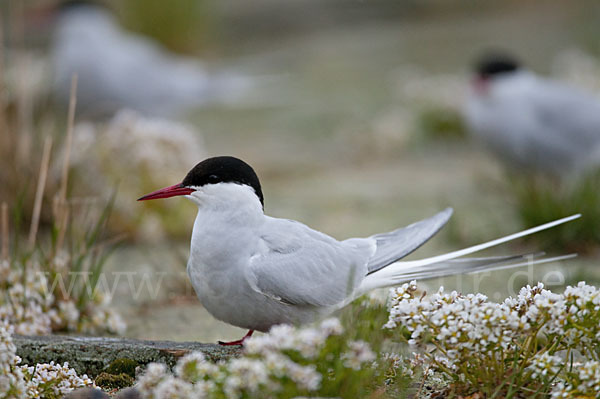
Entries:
{"x":536,"y":123}
{"x":120,"y":69}
{"x":302,"y":266}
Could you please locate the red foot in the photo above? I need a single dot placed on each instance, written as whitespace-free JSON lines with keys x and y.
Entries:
{"x":239,"y":341}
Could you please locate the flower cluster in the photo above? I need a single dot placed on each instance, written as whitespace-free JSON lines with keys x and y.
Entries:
{"x":26,"y":304}
{"x":358,"y":354}
{"x":581,"y":321}
{"x":158,"y":150}
{"x":35,"y":305}
{"x":49,"y":380}
{"x":545,"y":365}
{"x":286,"y":360}
{"x":476,"y":343}
{"x":578,"y":380}
{"x":46,"y":381}
{"x":583,"y":381}
{"x":12,"y":381}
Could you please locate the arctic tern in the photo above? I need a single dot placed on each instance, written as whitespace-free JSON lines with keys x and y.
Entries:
{"x":120,"y":69}
{"x":533,"y":123}
{"x":255,"y":271}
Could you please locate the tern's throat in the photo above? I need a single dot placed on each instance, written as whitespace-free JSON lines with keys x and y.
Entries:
{"x":228,"y":202}
{"x":225,"y":228}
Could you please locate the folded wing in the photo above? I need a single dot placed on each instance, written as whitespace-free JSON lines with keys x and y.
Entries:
{"x":399,"y":243}
{"x":300,"y":266}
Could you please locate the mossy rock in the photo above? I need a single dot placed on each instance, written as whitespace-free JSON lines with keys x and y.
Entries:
{"x":112,"y":382}
{"x":122,"y":366}
{"x":93,"y":355}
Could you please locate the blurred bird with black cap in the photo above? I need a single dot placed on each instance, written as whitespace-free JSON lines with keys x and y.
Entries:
{"x":532,"y":123}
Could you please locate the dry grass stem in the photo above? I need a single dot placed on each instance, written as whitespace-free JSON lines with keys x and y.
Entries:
{"x":100,"y":247}
{"x":55,"y":202}
{"x":64,"y":222}
{"x":1,"y":58}
{"x":68,"y":144}
{"x":422,"y":384}
{"x":39,"y":194}
{"x":60,"y":205}
{"x":6,"y":136}
{"x":2,"y":82}
{"x":24,"y":113}
{"x":24,"y":101}
{"x":4,"y":231}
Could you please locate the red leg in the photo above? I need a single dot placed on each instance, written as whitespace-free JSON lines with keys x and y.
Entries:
{"x":239,"y":341}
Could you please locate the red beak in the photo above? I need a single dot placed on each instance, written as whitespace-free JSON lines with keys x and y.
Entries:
{"x":171,"y":191}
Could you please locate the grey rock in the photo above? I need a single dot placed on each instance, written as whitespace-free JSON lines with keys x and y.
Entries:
{"x":91,"y":355}
{"x":87,"y":393}
{"x":128,"y":393}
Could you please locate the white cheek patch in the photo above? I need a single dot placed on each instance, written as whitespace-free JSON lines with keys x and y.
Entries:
{"x":221,"y":195}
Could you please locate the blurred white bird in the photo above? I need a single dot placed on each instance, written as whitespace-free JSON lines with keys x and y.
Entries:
{"x":533,"y":123}
{"x":254,"y":271}
{"x":118,"y":69}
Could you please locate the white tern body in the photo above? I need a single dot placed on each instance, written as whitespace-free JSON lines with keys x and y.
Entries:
{"x":255,"y":271}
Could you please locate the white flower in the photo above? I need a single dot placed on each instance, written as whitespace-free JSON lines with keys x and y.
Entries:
{"x":545,"y":365}
{"x":358,"y":354}
{"x":276,"y":364}
{"x":332,"y":326}
{"x":157,"y":149}
{"x":309,"y":342}
{"x":584,"y":383}
{"x":50,"y":376}
{"x":68,"y":314}
{"x":174,"y":388}
{"x":251,"y":373}
{"x":154,"y":374}
{"x":306,"y":377}
{"x":204,"y":388}
{"x":7,"y":347}
{"x":32,"y":309}
{"x":192,"y":367}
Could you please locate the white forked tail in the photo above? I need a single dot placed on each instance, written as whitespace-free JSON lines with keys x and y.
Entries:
{"x":448,"y":264}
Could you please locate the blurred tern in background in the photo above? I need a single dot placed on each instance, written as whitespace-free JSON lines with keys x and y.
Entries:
{"x":255,"y":271}
{"x":533,"y":123}
{"x":119,"y":69}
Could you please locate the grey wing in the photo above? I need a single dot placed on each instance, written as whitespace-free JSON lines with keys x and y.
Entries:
{"x":399,"y":243}
{"x":301,"y":266}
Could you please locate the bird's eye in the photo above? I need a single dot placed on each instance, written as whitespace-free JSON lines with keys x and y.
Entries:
{"x":213,"y":178}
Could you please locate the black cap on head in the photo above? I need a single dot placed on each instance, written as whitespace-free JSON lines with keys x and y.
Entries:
{"x":67,"y":5}
{"x":495,"y":63}
{"x":223,"y":169}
